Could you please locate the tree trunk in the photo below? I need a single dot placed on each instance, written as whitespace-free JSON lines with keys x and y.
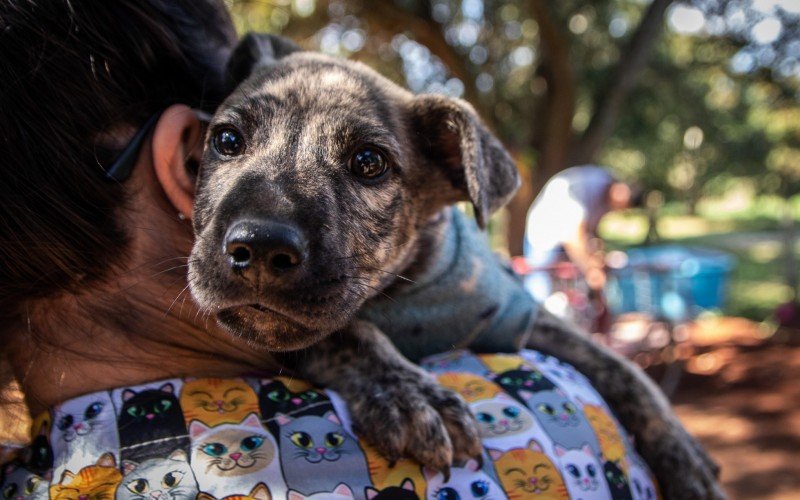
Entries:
{"x":789,"y":227}
{"x":631,"y":63}
{"x":517,"y":212}
{"x":556,"y":132}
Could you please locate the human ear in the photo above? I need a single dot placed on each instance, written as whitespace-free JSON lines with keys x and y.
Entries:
{"x":177,"y":149}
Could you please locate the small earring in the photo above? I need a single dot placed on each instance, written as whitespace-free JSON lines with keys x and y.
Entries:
{"x":181,"y":216}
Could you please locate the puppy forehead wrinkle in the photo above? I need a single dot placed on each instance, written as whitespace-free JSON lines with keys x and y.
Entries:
{"x":259,"y":99}
{"x":376,"y":134}
{"x":274,"y":141}
{"x":230,"y":114}
{"x":319,"y":85}
{"x":247,"y":104}
{"x":317,"y":61}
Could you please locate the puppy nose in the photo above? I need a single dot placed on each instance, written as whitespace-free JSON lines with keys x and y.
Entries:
{"x":273,"y":246}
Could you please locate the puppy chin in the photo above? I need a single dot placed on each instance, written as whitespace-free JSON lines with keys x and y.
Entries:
{"x":271,"y":330}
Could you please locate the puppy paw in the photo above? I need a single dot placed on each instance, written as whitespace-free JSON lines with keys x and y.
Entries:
{"x":404,"y":413}
{"x":395,"y":405}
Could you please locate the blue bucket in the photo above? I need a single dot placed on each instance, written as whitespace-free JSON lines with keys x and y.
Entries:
{"x":672,"y":281}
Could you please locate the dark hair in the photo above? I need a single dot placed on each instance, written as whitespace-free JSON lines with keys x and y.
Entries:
{"x":72,"y":70}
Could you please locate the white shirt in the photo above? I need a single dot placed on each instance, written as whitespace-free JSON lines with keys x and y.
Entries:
{"x":575,"y":196}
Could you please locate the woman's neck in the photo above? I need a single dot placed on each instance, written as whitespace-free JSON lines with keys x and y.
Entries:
{"x":141,"y":327}
{"x":69,"y":351}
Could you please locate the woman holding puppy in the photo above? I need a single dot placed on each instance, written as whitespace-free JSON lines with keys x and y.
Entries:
{"x":136,"y":393}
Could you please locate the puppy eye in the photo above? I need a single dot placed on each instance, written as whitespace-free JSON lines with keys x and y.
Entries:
{"x":368,"y":163}
{"x":228,"y":142}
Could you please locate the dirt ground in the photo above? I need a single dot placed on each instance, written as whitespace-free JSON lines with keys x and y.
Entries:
{"x":747,"y":412}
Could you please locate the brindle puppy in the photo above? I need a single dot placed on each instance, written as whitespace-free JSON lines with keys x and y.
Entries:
{"x":315,"y":184}
{"x":321,"y":184}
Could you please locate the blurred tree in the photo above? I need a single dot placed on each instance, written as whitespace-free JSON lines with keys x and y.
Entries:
{"x":688,"y":110}
{"x":717,"y":106}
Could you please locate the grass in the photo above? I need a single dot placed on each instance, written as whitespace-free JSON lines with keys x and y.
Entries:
{"x":752,"y":233}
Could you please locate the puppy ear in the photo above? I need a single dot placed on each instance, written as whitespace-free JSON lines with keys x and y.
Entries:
{"x":452,"y":135}
{"x":255,"y":50}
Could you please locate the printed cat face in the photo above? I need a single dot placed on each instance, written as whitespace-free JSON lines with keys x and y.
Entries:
{"x":456,"y":361}
{"x":499,"y":363}
{"x":316,"y":439}
{"x":581,"y":470}
{"x":553,"y":408}
{"x":552,"y":367}
{"x":83,"y":416}
{"x":466,"y":483}
{"x":38,"y":456}
{"x":259,"y":492}
{"x":215,"y":401}
{"x":231,"y":449}
{"x":150,"y":407}
{"x":341,"y":492}
{"x":95,"y":482}
{"x":386,"y":476}
{"x":611,"y":442}
{"x":616,"y":480}
{"x":641,"y":484}
{"x":22,"y":484}
{"x":570,"y":380}
{"x":406,"y":491}
{"x":527,"y":472}
{"x":158,"y":478}
{"x":514,"y":381}
{"x":501,"y":416}
{"x":470,"y":387}
{"x":560,"y":418}
{"x":282,"y":396}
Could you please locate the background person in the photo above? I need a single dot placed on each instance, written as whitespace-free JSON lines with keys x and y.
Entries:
{"x":562,"y":225}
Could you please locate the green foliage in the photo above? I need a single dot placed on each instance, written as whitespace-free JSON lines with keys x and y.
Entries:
{"x":749,"y":117}
{"x":712,"y":106}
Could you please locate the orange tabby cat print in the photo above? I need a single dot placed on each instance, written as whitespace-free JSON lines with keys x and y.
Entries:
{"x":383,"y":475}
{"x":471,"y":387}
{"x":215,"y":401}
{"x":295,"y":385}
{"x":259,"y":492}
{"x":499,"y":363}
{"x":611,"y":444}
{"x":528,"y":473}
{"x":94,"y":482}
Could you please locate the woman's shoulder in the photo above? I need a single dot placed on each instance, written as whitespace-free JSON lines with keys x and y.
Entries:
{"x":545,"y":431}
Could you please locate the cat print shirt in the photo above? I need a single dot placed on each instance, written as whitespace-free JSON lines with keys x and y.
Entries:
{"x":547,"y":434}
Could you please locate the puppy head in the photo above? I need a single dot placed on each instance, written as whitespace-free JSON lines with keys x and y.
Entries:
{"x":316,"y":177}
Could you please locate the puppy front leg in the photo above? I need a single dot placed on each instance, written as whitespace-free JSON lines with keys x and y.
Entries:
{"x":395,"y":405}
{"x":683,"y":468}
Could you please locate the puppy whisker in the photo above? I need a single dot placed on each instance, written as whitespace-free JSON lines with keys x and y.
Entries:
{"x":361,"y":283}
{"x":367,"y":268}
{"x":176,"y":298}
{"x":372,"y":250}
